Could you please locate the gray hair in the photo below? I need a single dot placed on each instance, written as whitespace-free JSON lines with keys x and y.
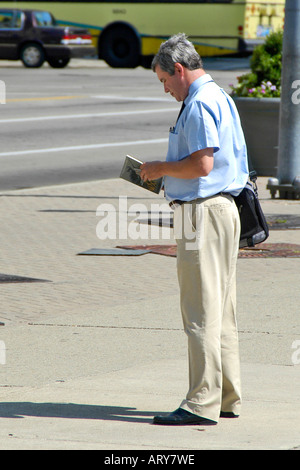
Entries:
{"x":177,"y":49}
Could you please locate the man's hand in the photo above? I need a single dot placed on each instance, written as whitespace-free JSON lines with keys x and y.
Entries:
{"x":196,"y":165}
{"x":151,"y":171}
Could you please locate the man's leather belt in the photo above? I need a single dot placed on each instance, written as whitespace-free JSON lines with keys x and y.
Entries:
{"x":177,"y":202}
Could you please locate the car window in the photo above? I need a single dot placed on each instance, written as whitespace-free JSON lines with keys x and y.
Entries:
{"x":10,"y":19}
{"x":43,"y":18}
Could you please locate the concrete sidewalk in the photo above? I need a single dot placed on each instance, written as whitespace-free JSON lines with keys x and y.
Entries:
{"x":95,"y":348}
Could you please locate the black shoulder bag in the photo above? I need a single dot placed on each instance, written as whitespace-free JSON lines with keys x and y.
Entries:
{"x":254,"y":227}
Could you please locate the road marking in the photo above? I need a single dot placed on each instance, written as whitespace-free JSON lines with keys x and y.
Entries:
{"x":44,"y":98}
{"x":84,"y":116}
{"x":132,"y":98}
{"x":83,"y":147}
{"x":105,"y":97}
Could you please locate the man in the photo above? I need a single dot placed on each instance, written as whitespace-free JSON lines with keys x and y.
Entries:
{"x":206,"y":163}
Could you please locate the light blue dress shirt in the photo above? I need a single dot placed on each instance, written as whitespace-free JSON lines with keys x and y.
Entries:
{"x":209,"y":119}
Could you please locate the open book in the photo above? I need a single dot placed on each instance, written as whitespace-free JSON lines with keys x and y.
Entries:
{"x":131,"y":172}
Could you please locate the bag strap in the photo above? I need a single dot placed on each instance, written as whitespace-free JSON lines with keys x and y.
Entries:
{"x":252,"y":175}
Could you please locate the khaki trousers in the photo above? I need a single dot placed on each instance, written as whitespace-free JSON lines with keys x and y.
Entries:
{"x":207,"y":233}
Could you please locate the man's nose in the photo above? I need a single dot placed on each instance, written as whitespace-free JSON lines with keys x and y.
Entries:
{"x":166,"y":88}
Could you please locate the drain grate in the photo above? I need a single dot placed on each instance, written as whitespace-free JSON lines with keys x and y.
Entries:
{"x":114,"y":252}
{"x":271,"y":250}
{"x":275,"y":222}
{"x":8,"y":278}
{"x":263,"y":250}
{"x":283,"y":222}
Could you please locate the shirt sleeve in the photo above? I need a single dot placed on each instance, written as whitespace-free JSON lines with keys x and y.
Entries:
{"x":200,"y":128}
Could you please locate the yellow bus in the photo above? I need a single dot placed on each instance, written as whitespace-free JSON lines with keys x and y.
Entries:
{"x":128,"y":34}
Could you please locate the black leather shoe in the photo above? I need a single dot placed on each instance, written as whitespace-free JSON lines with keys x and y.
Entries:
{"x":181,"y":417}
{"x":228,"y":414}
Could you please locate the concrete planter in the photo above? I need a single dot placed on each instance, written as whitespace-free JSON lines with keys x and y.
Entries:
{"x":260,"y":122}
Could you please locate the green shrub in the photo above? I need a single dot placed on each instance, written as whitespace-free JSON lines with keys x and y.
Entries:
{"x":264,"y":80}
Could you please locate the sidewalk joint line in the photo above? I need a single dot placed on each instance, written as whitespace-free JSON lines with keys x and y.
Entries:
{"x":105,"y":327}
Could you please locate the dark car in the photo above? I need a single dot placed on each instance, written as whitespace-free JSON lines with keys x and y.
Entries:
{"x":33,"y":36}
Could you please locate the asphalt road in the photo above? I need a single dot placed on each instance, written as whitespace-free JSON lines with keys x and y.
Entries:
{"x":78,"y":123}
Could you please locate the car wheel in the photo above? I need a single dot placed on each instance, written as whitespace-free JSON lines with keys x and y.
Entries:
{"x":32,"y":55}
{"x":58,"y":63}
{"x":120,"y":47}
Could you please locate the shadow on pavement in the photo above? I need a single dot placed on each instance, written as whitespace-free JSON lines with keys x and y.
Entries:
{"x":74,"y":411}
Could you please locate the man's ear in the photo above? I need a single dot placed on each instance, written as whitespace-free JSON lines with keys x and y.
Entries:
{"x":179,"y":68}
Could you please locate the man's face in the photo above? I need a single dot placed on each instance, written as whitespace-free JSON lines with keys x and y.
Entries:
{"x":173,"y":84}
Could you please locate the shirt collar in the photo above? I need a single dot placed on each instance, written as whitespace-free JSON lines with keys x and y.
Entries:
{"x":196,"y":85}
